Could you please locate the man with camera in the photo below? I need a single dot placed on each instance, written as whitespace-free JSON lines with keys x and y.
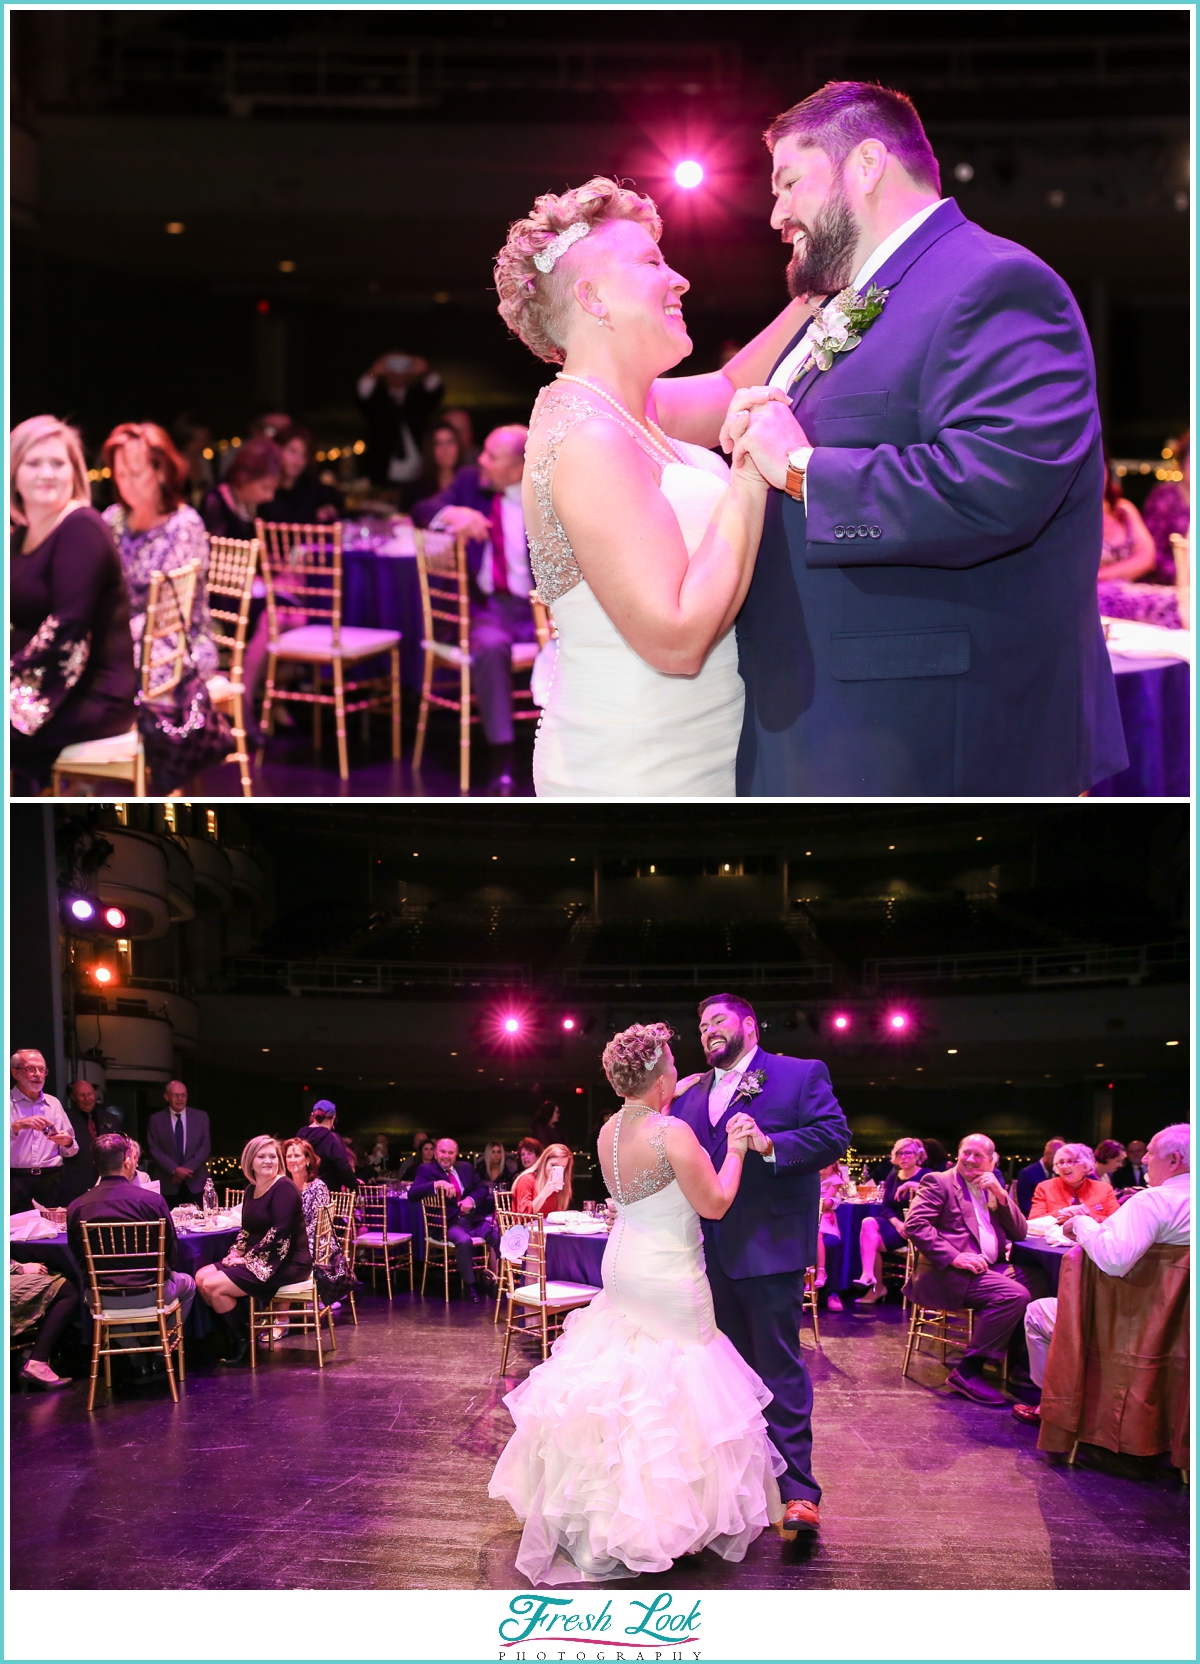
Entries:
{"x":397,"y":396}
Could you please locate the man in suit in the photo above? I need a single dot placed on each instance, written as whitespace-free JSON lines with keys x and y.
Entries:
{"x":466,"y":1200}
{"x":923,"y":615}
{"x":484,"y":502}
{"x":335,"y":1163}
{"x":1030,"y":1177}
{"x":89,"y":1120}
{"x":961,"y":1222}
{"x":757,"y":1254}
{"x":180,"y":1144}
{"x":1132,"y":1174}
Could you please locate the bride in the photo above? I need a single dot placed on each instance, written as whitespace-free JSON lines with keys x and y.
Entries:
{"x":642,"y":1437}
{"x":642,"y":545}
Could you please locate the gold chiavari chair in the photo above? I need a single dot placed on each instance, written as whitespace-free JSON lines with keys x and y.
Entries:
{"x":440,"y":1252}
{"x":945,"y":1328}
{"x":231,"y":566}
{"x":809,"y":1303}
{"x":505,"y":1217}
{"x":535,"y":1304}
{"x":164,"y":649}
{"x":300,"y":1303}
{"x":446,"y":640}
{"x":302,"y":566}
{"x":375,"y":1245}
{"x":126,"y":1271}
{"x":234,"y":1198}
{"x":345,"y":1225}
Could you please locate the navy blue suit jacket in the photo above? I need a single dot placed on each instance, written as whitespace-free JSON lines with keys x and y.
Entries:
{"x":425,"y":1184}
{"x":772,"y":1225}
{"x":930,"y":625}
{"x":464,"y":491}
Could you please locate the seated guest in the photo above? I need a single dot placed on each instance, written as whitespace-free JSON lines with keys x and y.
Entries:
{"x":157,"y":530}
{"x":332,"y":1275}
{"x":887,"y":1231}
{"x":1168,"y":510}
{"x":118,"y":1198}
{"x":180,"y":1144}
{"x":497,"y":1167}
{"x":1161,"y":1212}
{"x":1127,"y":555}
{"x":1131,"y":1175}
{"x":834,"y":1180}
{"x":253,"y":479}
{"x":458,"y":418}
{"x":1073,"y":1187}
{"x":546,"y":1186}
{"x":1028,"y":1179}
{"x":47,"y":1304}
{"x":528,"y":1151}
{"x":88,"y":1121}
{"x":1110,"y":1157}
{"x":301,"y":499}
{"x":271,"y":1248}
{"x":423,"y":1148}
{"x":443,"y":456}
{"x":464,"y":1192}
{"x":962,"y":1222}
{"x":335,"y":1163}
{"x":484,"y":502}
{"x":39,"y":1135}
{"x":71,"y":670}
{"x":936,"y":1158}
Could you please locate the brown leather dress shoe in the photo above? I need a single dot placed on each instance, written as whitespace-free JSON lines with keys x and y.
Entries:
{"x":1030,"y":1414}
{"x":800,"y":1515}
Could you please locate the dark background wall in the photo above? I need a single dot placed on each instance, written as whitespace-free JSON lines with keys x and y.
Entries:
{"x":382,"y":155}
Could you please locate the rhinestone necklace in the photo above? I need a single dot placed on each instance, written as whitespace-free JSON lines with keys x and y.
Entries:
{"x":656,"y":437}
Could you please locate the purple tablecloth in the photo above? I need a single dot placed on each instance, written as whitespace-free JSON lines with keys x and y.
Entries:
{"x":403,"y":1215}
{"x":196,"y":1248}
{"x":842,"y":1259}
{"x":1156,"y":715}
{"x":383,"y":592}
{"x":1039,"y":1256}
{"x":575,"y":1259}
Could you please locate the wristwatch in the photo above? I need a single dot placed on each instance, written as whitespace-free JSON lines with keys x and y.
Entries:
{"x":797,"y":467}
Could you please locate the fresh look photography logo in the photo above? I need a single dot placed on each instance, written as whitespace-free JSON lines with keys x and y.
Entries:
{"x":565,"y":1627}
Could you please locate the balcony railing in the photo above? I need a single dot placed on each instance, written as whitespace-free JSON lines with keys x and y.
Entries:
{"x":1040,"y":968}
{"x":696,"y":976}
{"x":360,"y":976}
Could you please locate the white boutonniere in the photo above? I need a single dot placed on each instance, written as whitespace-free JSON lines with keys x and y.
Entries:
{"x":751,"y":1084}
{"x":840,"y":325}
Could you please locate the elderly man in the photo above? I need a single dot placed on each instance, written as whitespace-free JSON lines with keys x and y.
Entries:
{"x":1132,"y":1175}
{"x":961,"y":1223}
{"x":1162,"y":1212}
{"x":39,"y":1135}
{"x":484,"y":501}
{"x":465,"y":1193}
{"x":1036,"y":1173}
{"x":88,"y":1120}
{"x":335,"y":1168}
{"x":180,"y":1144}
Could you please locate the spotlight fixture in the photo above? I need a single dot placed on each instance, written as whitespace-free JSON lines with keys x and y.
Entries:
{"x":688,"y":175}
{"x":114,"y":918}
{"x":841,"y":1022}
{"x":82,"y":909}
{"x":103,"y":974}
{"x":512,"y":1025}
{"x":569,"y":1024}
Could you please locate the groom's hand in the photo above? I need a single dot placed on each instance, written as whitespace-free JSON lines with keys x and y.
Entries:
{"x":771,"y":434}
{"x":737,"y":416}
{"x":748,"y":1125}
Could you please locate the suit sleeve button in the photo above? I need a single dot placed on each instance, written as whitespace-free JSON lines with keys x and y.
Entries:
{"x":864,"y":531}
{"x":839,"y":531}
{"x":876,"y":531}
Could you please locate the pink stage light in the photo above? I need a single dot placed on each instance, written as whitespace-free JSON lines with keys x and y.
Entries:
{"x":568,"y":1023}
{"x":512,"y":1025}
{"x":688,"y":175}
{"x":898,"y":1021}
{"x":841,"y":1022}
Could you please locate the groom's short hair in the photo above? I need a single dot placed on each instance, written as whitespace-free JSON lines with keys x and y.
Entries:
{"x":844,"y":113}
{"x":735,"y":1002}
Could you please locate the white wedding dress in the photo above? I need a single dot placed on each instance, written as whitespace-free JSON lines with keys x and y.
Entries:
{"x":612,"y":726}
{"x":641,"y":1438}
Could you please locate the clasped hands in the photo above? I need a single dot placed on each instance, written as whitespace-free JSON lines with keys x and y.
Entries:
{"x":743,"y":1134}
{"x":43,"y":1124}
{"x":761,"y":426}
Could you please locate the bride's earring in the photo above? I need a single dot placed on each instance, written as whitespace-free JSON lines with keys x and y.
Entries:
{"x":601,"y":320}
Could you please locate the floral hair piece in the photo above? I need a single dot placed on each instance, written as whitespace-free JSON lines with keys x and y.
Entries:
{"x":555,"y":249}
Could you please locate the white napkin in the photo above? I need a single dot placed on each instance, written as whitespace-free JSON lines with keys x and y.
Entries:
{"x":30,"y":1227}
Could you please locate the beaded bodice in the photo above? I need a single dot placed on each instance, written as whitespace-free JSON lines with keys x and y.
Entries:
{"x":551,"y":558}
{"x":646,"y":1181}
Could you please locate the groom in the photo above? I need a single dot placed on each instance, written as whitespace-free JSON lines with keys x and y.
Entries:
{"x":923,"y":614}
{"x":756,"y":1255}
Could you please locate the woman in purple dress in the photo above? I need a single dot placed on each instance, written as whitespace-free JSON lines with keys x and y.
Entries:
{"x":887,"y":1232}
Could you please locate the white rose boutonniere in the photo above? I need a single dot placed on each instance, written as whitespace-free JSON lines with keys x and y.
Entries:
{"x":839,"y":327}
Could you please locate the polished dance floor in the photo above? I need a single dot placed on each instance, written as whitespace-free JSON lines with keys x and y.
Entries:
{"x":373,"y":1475}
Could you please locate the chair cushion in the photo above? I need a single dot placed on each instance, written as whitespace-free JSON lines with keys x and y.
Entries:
{"x":121,"y":748}
{"x":557,"y":1294}
{"x":134,"y":1314}
{"x":297,"y":1291}
{"x":375,"y":1239}
{"x":315,"y":641}
{"x":220,"y":687}
{"x":447,"y":651}
{"x":523,"y":654}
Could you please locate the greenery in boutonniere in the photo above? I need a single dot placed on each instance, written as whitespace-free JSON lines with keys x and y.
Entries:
{"x":840,"y":325}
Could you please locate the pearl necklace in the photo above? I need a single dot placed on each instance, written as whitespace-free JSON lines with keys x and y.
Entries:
{"x":632,"y":1103}
{"x":661,"y":443}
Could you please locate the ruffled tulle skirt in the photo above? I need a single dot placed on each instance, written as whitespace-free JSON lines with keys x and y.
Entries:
{"x":630,"y":1451}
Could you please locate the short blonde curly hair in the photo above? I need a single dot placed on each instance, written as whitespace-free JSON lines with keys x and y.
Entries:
{"x":632,"y":1058}
{"x":535,"y":304}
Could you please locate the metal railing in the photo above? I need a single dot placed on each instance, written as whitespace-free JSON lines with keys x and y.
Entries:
{"x":695,"y":976}
{"x":361,"y":976}
{"x":1039,"y":967}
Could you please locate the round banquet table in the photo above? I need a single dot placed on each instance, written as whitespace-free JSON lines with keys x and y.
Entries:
{"x":843,"y":1261}
{"x":575,"y":1259}
{"x":196,"y":1248}
{"x":1155,"y":697}
{"x":1042,"y":1261}
{"x":383,"y":592}
{"x":403,"y":1215}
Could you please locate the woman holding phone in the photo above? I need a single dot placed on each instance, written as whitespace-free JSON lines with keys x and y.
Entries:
{"x":546,"y":1186}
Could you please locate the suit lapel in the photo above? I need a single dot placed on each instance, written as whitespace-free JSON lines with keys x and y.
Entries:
{"x":966,"y":1208}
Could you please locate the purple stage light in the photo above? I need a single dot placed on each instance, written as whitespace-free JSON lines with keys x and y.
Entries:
{"x":897,"y":1021}
{"x":568,"y":1023}
{"x":688,"y":175}
{"x":82,"y":910}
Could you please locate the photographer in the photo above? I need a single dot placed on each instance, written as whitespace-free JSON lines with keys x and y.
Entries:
{"x":398,"y":396}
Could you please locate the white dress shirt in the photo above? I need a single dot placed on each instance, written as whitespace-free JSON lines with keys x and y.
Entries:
{"x":989,"y":1245}
{"x":725,"y":1084}
{"x":516,"y":548}
{"x":30,"y":1148}
{"x":1160,"y":1214}
{"x":786,"y":371}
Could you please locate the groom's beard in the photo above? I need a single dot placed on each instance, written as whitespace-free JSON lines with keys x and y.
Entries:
{"x":823,"y":263}
{"x":725,"y":1055}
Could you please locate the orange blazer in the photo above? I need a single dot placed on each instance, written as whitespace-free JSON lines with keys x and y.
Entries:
{"x":1053,"y":1194}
